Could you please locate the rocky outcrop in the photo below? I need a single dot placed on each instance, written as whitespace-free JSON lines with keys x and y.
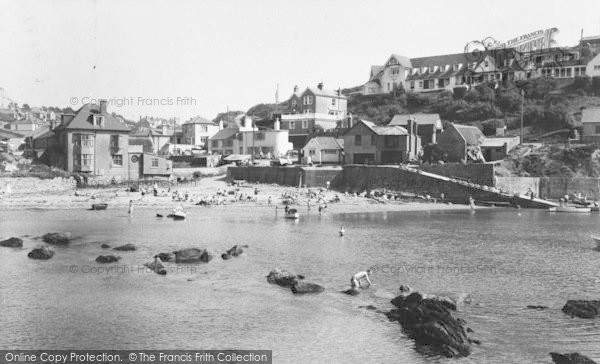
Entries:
{"x":293,"y":281}
{"x":571,"y":358}
{"x":429,"y":322}
{"x":192,"y":255}
{"x":12,"y":243}
{"x":125,"y":248}
{"x":57,"y":238}
{"x":43,"y":253}
{"x":166,"y":257}
{"x":582,"y":308}
{"x":236,"y":251}
{"x":157,"y":267}
{"x":105,"y":246}
{"x":107,"y":259}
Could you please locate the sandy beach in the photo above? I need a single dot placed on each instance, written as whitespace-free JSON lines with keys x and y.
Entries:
{"x":206,"y":188}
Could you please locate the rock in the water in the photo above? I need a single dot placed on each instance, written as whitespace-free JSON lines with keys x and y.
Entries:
{"x":166,"y":257}
{"x":282,"y":278}
{"x":105,"y":246}
{"x":125,"y":248}
{"x":43,"y":253}
{"x":107,"y":259}
{"x":225,"y":256}
{"x":571,"y":358}
{"x":57,"y":238}
{"x":302,"y":287}
{"x":582,"y":308}
{"x":157,"y":267}
{"x":12,"y":243}
{"x":429,"y":322}
{"x":233,"y":252}
{"x":537,"y":307}
{"x":368,"y":307}
{"x":192,"y":255}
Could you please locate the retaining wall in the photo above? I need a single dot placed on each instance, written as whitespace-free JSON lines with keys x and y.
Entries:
{"x":286,"y":176}
{"x":480,"y":173}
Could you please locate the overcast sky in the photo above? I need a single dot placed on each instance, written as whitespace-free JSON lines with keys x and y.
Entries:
{"x":234,"y":53}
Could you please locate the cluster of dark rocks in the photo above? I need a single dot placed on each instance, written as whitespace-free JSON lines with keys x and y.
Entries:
{"x":295,"y":282}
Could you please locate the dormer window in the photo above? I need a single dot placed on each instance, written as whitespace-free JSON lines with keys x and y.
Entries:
{"x":456,"y":67}
{"x":423,"y":69}
{"x":99,"y":120}
{"x":431,"y":68}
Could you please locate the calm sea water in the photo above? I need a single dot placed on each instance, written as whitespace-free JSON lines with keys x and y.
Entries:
{"x":504,"y":260}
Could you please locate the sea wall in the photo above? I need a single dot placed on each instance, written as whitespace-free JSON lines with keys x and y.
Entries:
{"x":479,"y":173}
{"x":286,"y":176}
{"x":551,"y":187}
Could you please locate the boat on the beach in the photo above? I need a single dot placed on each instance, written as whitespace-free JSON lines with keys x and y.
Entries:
{"x":292,"y":214}
{"x":571,"y":209}
{"x":99,"y":206}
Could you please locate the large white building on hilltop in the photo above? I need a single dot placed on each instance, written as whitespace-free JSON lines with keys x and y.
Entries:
{"x":529,"y":56}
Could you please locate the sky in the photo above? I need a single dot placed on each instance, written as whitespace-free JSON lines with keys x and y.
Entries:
{"x":182,"y":58}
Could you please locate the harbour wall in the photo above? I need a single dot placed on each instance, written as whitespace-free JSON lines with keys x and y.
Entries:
{"x":551,"y":187}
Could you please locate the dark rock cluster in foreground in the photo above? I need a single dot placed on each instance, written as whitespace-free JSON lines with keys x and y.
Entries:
{"x":571,"y":358}
{"x":295,"y":282}
{"x":582,"y":308}
{"x":429,"y":322}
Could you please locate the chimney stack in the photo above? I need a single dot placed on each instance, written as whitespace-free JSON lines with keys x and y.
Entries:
{"x":295,"y":88}
{"x":102,"y":106}
{"x":320,"y":86}
{"x":277,"y":125}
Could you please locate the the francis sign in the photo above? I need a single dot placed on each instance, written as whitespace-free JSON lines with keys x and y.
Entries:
{"x":534,"y":41}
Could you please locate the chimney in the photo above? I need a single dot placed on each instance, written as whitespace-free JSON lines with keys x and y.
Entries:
{"x":102,"y":106}
{"x":277,"y":125}
{"x":320,"y":86}
{"x":220,"y":124}
{"x":350,"y":120}
{"x":295,"y":88}
{"x":247,"y":122}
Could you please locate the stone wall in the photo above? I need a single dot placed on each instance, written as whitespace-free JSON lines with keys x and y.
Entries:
{"x":286,"y":176}
{"x":480,"y":173}
{"x":518,"y":184}
{"x":551,"y":187}
{"x":36,"y":185}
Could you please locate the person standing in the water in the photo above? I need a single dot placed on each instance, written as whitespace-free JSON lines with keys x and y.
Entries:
{"x":130,"y":207}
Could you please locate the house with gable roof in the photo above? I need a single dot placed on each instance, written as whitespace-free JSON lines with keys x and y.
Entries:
{"x":368,"y":143}
{"x":429,"y":126}
{"x":324,"y":149}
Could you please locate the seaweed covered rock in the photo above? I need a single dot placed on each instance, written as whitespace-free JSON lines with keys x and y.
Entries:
{"x":157,"y":267}
{"x":57,"y":238}
{"x":235,"y":251}
{"x":107,"y":259}
{"x":571,"y":358}
{"x":43,"y":253}
{"x":105,"y":246}
{"x":582,"y":308}
{"x":166,"y":257}
{"x":192,"y":255}
{"x":12,"y":243}
{"x":282,"y":278}
{"x":429,"y":322}
{"x":125,"y":248}
{"x":302,"y":287}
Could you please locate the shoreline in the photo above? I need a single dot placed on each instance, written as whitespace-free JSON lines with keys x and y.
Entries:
{"x":118,"y":197}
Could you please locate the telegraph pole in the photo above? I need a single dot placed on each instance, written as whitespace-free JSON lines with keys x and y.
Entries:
{"x":522,"y":103}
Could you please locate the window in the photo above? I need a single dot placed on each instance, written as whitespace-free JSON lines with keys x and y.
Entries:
{"x":204,"y":128}
{"x":332,"y":102}
{"x":229,"y":143}
{"x":86,"y":160}
{"x":203,"y":139}
{"x":214,"y":143}
{"x":431,"y":68}
{"x":114,"y":141}
{"x":597,"y":129}
{"x":455,"y":67}
{"x":373,"y":139}
{"x":154,"y":162}
{"x":396,"y":71}
{"x":420,"y":84}
{"x":358,"y":139}
{"x":389,"y":87}
{"x":412,"y":85}
{"x":292,"y":125}
{"x":98,"y":120}
{"x":304,"y":124}
{"x":85,"y":140}
{"x":330,"y":151}
{"x":259,"y":136}
{"x":308,"y":100}
{"x":597,"y":68}
{"x":117,"y":160}
{"x":311,"y":152}
{"x":294,"y":103}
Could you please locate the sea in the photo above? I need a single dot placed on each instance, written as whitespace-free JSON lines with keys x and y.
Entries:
{"x":495,"y":261}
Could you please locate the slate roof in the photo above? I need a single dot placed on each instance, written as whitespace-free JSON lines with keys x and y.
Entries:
{"x":325,"y":142}
{"x":472,"y":134}
{"x":419,"y":118}
{"x":223,"y":134}
{"x":83,"y":120}
{"x":385,"y":129}
{"x":325,"y":92}
{"x":590,"y":115}
{"x":199,"y":120}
